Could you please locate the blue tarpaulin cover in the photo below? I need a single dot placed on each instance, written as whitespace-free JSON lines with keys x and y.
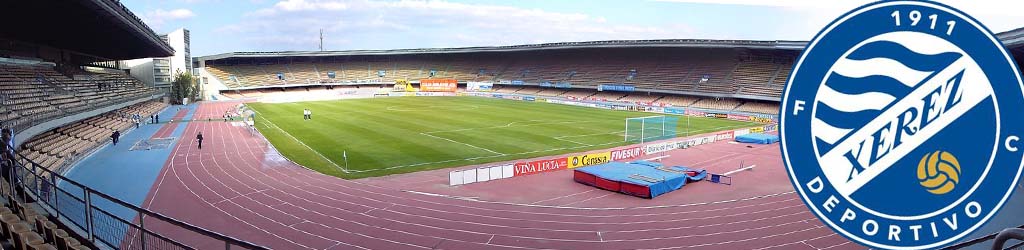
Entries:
{"x":642,"y":173}
{"x":758,"y":138}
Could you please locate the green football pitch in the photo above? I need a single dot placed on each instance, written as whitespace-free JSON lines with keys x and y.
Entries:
{"x":383,"y":136}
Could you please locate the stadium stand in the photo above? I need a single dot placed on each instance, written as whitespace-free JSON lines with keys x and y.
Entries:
{"x":722,"y":104}
{"x":607,"y":96}
{"x":62,"y":93}
{"x":698,"y":71}
{"x":642,"y":98}
{"x":62,"y":146}
{"x":707,"y":78}
{"x":579,"y":94}
{"x":680,"y":101}
{"x":34,"y":93}
{"x":759,"y":107}
{"x":27,"y":226}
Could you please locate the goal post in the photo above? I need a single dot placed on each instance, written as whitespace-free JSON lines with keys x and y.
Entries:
{"x":650,"y":128}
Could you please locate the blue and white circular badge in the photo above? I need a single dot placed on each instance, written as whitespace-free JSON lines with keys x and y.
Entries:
{"x":901,"y":125}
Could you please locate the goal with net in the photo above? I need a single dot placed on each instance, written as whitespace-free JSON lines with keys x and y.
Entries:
{"x":650,"y":128}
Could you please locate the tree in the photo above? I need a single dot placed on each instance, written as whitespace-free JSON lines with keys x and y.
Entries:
{"x":184,"y":86}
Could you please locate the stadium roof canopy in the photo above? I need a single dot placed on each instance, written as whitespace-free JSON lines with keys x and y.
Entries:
{"x":103,"y":29}
{"x":671,"y":43}
{"x":1013,"y":39}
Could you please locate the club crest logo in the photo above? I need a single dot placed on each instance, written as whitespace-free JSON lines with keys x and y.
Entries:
{"x":901,"y":125}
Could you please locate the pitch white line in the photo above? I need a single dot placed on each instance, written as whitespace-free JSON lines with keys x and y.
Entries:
{"x":585,"y":135}
{"x":512,"y":125}
{"x":467,"y":144}
{"x":300,"y":142}
{"x":571,"y":141}
{"x":512,"y":154}
{"x":398,"y":108}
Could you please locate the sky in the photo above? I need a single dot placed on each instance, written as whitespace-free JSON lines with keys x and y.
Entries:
{"x":221,"y":26}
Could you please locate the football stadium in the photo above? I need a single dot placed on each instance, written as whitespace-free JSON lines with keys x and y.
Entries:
{"x":126,"y":140}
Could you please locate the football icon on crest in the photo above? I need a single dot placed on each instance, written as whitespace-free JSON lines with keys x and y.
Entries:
{"x":898,"y":125}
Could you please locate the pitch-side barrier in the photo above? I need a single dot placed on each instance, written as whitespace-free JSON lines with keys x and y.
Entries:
{"x":510,"y":170}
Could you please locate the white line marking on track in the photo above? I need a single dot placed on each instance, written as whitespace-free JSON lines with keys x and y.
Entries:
{"x":841,"y":244}
{"x":585,"y":200}
{"x":363,"y":187}
{"x":564,"y":196}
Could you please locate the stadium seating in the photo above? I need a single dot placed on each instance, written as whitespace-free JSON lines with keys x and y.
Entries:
{"x":759,"y":107}
{"x":713,"y":72}
{"x":710,"y":103}
{"x":63,"y":145}
{"x":607,"y":96}
{"x":679,"y":101}
{"x":578,"y":94}
{"x":34,"y":93}
{"x":27,"y":226}
{"x":641,"y":98}
{"x":720,"y":72}
{"x":551,"y":92}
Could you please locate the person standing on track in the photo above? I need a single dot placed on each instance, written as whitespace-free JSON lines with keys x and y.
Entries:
{"x":115,"y":136}
{"x":309,"y":114}
{"x":199,"y":137}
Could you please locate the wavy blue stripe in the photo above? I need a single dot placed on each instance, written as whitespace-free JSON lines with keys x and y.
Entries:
{"x":823,"y":146}
{"x":898,"y":52}
{"x":847,"y":120}
{"x":867,"y":84}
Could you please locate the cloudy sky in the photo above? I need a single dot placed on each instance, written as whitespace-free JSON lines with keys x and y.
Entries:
{"x":220,"y":26}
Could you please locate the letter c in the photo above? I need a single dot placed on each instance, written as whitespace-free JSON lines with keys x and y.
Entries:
{"x":1011,"y":139}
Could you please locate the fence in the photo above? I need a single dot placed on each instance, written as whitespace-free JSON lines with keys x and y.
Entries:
{"x":94,"y":215}
{"x":488,"y":173}
{"x":480,"y":174}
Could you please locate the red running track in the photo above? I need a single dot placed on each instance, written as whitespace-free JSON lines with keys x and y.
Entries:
{"x":240,"y":186}
{"x":168,"y":128}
